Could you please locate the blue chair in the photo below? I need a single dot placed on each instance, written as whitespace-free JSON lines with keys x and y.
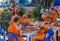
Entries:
{"x":49,"y":37}
{"x":12,"y":35}
{"x":58,"y":20}
{"x":3,"y":34}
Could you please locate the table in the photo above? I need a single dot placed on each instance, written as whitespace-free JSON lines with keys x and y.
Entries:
{"x":30,"y":35}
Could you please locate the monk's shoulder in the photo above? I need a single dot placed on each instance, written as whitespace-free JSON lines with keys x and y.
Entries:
{"x":45,"y":26}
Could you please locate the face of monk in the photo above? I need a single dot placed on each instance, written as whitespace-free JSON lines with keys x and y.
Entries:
{"x":45,"y":15}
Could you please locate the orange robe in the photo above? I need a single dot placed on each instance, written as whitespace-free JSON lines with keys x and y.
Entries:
{"x":24,"y":18}
{"x":13,"y":29}
{"x":58,"y":24}
{"x":54,"y":15}
{"x":41,"y":34}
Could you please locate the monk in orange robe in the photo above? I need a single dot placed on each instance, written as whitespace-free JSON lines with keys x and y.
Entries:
{"x":54,"y":15}
{"x":14,"y":28}
{"x":41,"y":33}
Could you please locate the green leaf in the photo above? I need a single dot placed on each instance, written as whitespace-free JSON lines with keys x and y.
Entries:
{"x":5,"y":18}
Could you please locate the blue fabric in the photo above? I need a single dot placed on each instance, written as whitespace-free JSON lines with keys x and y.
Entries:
{"x":57,"y":3}
{"x":50,"y":32}
{"x":45,"y":39}
{"x":1,"y":29}
{"x":12,"y":35}
{"x":24,"y":24}
{"x":24,"y":36}
{"x":1,"y":39}
{"x":30,"y":37}
{"x":3,"y":34}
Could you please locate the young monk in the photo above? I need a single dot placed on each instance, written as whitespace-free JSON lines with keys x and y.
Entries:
{"x":42,"y":31}
{"x":54,"y":15}
{"x":14,"y":27}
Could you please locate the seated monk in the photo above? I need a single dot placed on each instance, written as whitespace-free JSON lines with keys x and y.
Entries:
{"x":42,"y":31}
{"x":14,"y":27}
